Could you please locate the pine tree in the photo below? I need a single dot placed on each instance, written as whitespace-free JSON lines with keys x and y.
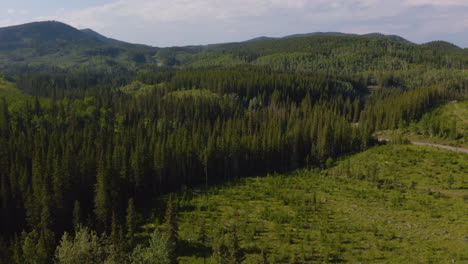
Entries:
{"x":264,"y":257}
{"x":131,"y":221}
{"x":221,"y":254}
{"x":236,"y":254}
{"x":76,"y":215}
{"x":171,"y":227}
{"x":102,"y":203}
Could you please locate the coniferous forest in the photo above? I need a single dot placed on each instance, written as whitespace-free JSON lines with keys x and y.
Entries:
{"x":88,"y":154}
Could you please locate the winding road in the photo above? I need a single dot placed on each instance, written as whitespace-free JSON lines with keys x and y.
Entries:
{"x":431,"y":145}
{"x":440,"y":146}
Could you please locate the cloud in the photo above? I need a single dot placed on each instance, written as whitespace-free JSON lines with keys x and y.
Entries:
{"x":185,"y":10}
{"x":6,"y":22}
{"x":438,"y":2}
{"x":10,"y":11}
{"x":181,"y":22}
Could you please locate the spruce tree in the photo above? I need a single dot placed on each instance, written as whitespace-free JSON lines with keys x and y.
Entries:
{"x":76,"y":215}
{"x":131,"y":219}
{"x":171,"y":227}
{"x":102,"y":201}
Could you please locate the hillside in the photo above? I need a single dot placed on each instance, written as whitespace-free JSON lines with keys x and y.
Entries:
{"x":102,"y":38}
{"x":447,"y":124}
{"x":262,"y":151}
{"x":9,"y":92}
{"x":44,"y":37}
{"x":373,"y":207}
{"x":56,"y":45}
{"x":338,"y":53}
{"x":333,"y":34}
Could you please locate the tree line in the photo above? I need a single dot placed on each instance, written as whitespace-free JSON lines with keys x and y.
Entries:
{"x":92,"y":158}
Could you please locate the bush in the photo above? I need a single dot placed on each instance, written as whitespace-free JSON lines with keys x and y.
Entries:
{"x":85,"y":247}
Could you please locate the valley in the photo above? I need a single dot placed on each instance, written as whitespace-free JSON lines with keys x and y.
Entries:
{"x":263,"y":151}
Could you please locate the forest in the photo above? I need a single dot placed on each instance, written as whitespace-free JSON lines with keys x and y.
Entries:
{"x":87,"y":156}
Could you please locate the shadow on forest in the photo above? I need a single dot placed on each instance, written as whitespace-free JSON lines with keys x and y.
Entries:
{"x":194,"y":248}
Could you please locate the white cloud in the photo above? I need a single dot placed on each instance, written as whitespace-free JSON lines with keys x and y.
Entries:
{"x":179,"y":22}
{"x":10,"y":11}
{"x":438,"y":2}
{"x":6,"y":22}
{"x":183,"y":10}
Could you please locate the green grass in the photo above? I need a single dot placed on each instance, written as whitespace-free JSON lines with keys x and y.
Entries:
{"x":369,"y":208}
{"x":195,"y":93}
{"x":15,"y":99}
{"x":437,"y":126}
{"x":137,"y":88}
{"x":9,"y":92}
{"x":447,"y":116}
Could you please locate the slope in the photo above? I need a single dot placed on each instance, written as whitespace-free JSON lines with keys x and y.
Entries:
{"x":53,"y":44}
{"x":390,"y":204}
{"x":446,"y":125}
{"x":329,"y":52}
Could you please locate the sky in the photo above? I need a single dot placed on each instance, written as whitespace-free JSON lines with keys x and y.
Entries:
{"x":165,"y":23}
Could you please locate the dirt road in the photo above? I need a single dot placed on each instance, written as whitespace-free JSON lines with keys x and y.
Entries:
{"x":440,"y":146}
{"x":431,"y":145}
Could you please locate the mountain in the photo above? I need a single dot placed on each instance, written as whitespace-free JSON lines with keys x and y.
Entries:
{"x":111,"y":41}
{"x":320,"y":51}
{"x":262,"y":38}
{"x":53,"y":44}
{"x":388,"y":37}
{"x":333,"y":34}
{"x":44,"y":37}
{"x":102,"y":38}
{"x":321,"y":34}
{"x":442,"y":46}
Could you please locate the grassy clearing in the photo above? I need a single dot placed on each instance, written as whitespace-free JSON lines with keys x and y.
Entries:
{"x":10,"y":93}
{"x":137,"y":88}
{"x":446,"y":125}
{"x":199,"y":94}
{"x":366,"y":209}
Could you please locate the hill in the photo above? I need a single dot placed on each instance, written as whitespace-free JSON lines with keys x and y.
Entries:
{"x":442,"y":46}
{"x":390,"y":204}
{"x":44,"y":37}
{"x":326,"y":52}
{"x":89,"y":152}
{"x":333,"y":34}
{"x":388,"y":37}
{"x":102,"y":38}
{"x":9,"y":92}
{"x":53,"y":44}
{"x":447,"y":124}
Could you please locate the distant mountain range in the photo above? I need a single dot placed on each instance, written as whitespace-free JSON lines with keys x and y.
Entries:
{"x":334,"y":34}
{"x":56,"y":46}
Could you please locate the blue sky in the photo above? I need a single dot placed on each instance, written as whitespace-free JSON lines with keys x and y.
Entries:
{"x":185,"y":22}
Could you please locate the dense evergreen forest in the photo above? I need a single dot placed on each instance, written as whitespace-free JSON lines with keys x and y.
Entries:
{"x":94,"y":150}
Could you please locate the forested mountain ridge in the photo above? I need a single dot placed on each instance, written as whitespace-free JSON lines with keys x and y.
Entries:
{"x":51,"y":44}
{"x":102,"y":38}
{"x":341,"y":54}
{"x":92,"y":141}
{"x":57,"y":47}
{"x":334,"y":34}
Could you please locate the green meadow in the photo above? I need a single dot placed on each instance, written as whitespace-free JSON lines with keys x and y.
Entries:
{"x":390,"y":204}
